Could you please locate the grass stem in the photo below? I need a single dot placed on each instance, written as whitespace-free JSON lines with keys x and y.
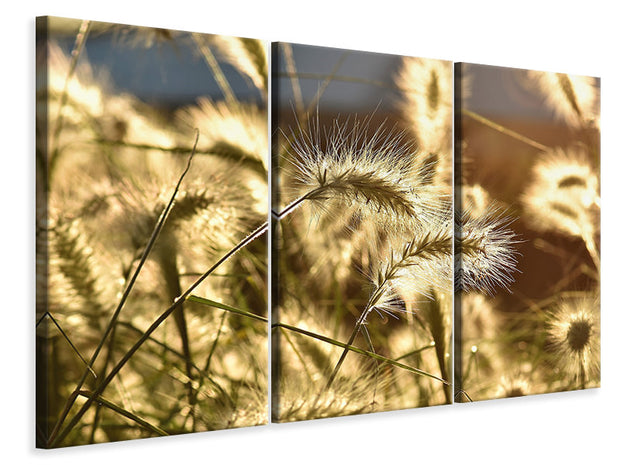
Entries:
{"x":504,"y":130}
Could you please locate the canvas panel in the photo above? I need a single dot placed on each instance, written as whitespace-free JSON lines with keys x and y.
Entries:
{"x":528,"y":221}
{"x":152,"y":154}
{"x":362,"y":232}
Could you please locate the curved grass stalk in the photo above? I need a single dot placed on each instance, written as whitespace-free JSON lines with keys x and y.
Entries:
{"x":592,"y":250}
{"x":290,"y":207}
{"x":215,"y":342}
{"x":315,"y":100}
{"x":463,"y":393}
{"x":291,"y":73}
{"x":299,"y":356}
{"x":66,"y":338}
{"x":504,"y":130}
{"x":106,"y":363}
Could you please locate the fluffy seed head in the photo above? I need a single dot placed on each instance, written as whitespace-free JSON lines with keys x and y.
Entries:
{"x":475,"y":199}
{"x":241,"y":129}
{"x":485,"y":251}
{"x":574,"y":99}
{"x":416,"y":268}
{"x":563,"y":195}
{"x":574,"y":333}
{"x":249,"y":56}
{"x":367,"y":197}
{"x":372,"y":174}
{"x":426,"y":85}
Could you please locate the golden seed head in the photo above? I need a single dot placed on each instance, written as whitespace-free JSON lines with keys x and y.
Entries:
{"x":574,"y":333}
{"x":564,"y":193}
{"x":485,"y":252}
{"x":426,"y":85}
{"x":574,"y":99}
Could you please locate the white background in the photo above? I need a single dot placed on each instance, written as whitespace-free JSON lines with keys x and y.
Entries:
{"x":575,"y":37}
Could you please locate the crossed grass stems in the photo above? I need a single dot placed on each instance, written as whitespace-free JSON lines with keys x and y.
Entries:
{"x":439,"y":244}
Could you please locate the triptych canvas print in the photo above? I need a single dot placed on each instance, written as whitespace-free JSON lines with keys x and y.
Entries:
{"x":232,"y":232}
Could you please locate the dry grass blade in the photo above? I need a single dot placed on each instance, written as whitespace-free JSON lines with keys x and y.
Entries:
{"x":228,"y":308}
{"x":221,"y":80}
{"x":504,"y":130}
{"x":289,"y":59}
